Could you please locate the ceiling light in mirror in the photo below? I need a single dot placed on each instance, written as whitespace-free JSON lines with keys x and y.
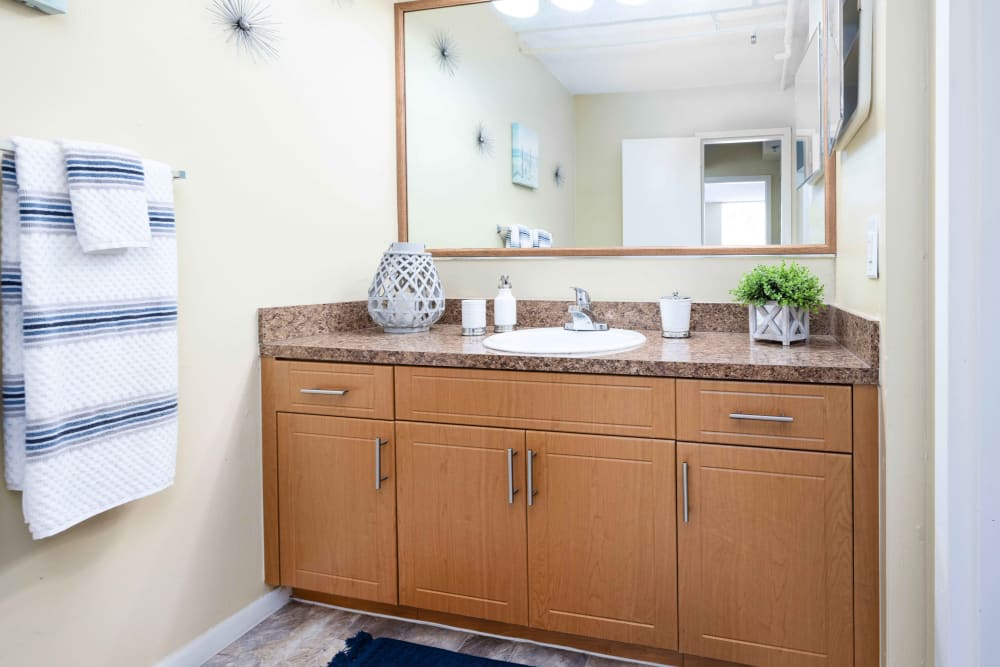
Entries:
{"x":573,"y":5}
{"x":520,"y":9}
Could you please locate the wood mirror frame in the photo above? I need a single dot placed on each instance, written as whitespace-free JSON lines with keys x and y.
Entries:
{"x":829,"y":176}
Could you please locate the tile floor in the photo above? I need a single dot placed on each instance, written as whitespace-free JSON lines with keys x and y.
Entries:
{"x":302,"y":634}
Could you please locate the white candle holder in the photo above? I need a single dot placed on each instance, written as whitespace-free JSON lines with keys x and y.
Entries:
{"x":406,"y":295}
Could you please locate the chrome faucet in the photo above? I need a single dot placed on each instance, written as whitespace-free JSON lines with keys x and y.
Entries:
{"x":583,"y":316}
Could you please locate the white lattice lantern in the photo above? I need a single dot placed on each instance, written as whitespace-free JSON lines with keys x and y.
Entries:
{"x":406,"y":295}
{"x":779,"y":323}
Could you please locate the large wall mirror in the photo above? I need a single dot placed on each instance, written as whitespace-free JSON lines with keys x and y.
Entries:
{"x":613,"y":127}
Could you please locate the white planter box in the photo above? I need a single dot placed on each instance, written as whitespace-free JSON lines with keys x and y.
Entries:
{"x":779,"y":323}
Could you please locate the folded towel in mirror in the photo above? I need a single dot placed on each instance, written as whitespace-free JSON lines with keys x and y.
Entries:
{"x":518,"y":236}
{"x":525,"y":235}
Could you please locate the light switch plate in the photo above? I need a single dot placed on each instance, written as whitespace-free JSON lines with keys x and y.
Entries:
{"x":871,"y":249}
{"x":49,"y":6}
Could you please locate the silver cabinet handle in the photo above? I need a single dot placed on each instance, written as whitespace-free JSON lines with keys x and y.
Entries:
{"x":510,"y":476}
{"x":531,"y":478}
{"x":684,"y":487}
{"x":325,"y":392}
{"x":760,"y":418}
{"x":379,"y":443}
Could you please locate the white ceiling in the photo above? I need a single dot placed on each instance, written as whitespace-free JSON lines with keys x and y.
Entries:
{"x":664,"y":44}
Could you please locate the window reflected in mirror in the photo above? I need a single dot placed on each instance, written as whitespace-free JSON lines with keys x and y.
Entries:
{"x":737,"y":212}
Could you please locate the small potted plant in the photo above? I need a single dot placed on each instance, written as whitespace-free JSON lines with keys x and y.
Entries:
{"x":780,"y":298}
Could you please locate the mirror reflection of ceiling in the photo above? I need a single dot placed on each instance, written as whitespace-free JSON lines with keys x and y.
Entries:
{"x":615,"y":47}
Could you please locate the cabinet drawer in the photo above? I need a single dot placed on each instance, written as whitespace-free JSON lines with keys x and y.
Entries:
{"x":313,"y":387}
{"x":605,"y":405}
{"x":787,"y":416}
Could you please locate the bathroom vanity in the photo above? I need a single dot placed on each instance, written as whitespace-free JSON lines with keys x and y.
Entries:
{"x":693,"y":499}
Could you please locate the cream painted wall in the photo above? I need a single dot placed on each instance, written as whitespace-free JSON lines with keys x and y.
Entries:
{"x":290,"y":200}
{"x":457,"y":197}
{"x":885,"y":172}
{"x":602,"y":121}
{"x":612,"y":278}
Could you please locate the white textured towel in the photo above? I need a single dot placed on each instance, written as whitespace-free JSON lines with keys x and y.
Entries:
{"x":519,"y":236}
{"x":13,"y":331}
{"x":108,"y":196}
{"x":99,"y":340}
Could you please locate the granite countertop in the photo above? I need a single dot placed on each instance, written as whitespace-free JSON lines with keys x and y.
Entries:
{"x":707,"y":354}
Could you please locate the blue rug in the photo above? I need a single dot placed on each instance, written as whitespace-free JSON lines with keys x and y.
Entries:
{"x":363,"y":651}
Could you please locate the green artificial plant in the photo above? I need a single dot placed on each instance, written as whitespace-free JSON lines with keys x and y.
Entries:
{"x":787,"y":284}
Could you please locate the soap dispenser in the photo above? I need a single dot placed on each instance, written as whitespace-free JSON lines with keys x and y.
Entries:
{"x":504,"y":308}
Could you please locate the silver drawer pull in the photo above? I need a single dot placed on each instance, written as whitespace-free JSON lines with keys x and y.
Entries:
{"x":532,"y":491}
{"x":761,"y":418}
{"x":379,"y":477}
{"x":684,"y":487}
{"x":511,"y":491}
{"x":325,"y":392}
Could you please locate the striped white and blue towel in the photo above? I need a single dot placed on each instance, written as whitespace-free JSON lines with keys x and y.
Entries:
{"x":10,"y":304}
{"x":525,"y":236}
{"x":99,"y":345}
{"x":518,"y":236}
{"x":108,"y":196}
{"x":505,"y":234}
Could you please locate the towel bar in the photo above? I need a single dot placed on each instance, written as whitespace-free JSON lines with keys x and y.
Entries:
{"x":8,"y":147}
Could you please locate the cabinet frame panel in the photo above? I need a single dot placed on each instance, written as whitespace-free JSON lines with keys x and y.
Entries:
{"x":696,"y":605}
{"x":505,"y":569}
{"x":641,"y":407}
{"x":342,"y":432}
{"x":545,"y":531}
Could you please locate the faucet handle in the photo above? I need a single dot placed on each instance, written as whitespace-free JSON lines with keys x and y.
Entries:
{"x":582,"y":297}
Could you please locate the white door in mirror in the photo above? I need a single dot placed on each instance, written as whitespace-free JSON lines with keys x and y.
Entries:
{"x":559,"y":341}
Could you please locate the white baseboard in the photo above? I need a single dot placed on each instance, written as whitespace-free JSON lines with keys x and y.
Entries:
{"x":224,"y":633}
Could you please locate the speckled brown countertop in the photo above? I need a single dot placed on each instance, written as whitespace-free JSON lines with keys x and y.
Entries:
{"x":707,"y":354}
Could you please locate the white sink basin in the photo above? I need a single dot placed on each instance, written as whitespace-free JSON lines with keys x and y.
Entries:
{"x":561,"y":341}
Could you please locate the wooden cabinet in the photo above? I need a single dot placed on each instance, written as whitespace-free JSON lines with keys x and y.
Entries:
{"x":765,"y":556}
{"x":601,"y":537}
{"x":462,"y":530}
{"x":338,"y":524}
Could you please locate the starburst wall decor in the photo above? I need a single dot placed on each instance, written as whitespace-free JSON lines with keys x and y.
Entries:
{"x":249,"y":25}
{"x":447,"y":56}
{"x":484,"y":141}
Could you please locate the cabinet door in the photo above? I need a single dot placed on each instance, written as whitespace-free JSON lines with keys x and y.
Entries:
{"x":462,"y":532}
{"x":765,"y":556}
{"x":602,"y":537}
{"x":337,"y":526}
